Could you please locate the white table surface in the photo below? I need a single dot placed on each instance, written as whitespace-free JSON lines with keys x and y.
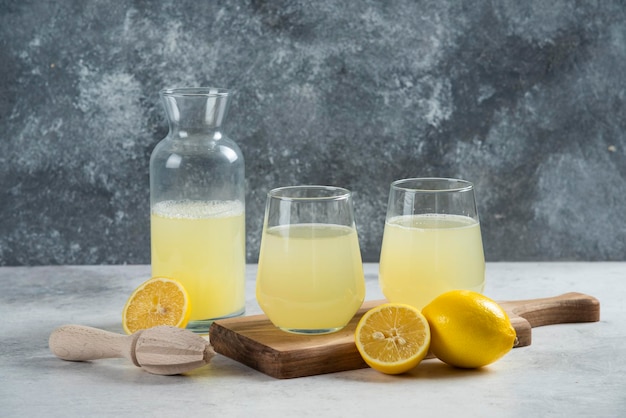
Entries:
{"x":569,"y":370}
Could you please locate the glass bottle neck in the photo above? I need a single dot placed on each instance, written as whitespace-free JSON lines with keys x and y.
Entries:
{"x":192,"y":111}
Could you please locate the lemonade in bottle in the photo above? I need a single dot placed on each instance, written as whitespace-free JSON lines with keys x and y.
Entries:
{"x":201,"y":245}
{"x":197,"y":205}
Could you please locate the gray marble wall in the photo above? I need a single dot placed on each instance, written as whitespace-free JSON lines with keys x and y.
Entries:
{"x":524,"y":98}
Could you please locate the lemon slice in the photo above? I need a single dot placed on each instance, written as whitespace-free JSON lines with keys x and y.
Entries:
{"x":469,"y":330}
{"x":157,"y":301}
{"x":393,"y":338}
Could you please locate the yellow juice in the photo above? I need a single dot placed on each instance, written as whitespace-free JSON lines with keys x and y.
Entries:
{"x":202,"y":245}
{"x":310,"y":276}
{"x":423,"y":256}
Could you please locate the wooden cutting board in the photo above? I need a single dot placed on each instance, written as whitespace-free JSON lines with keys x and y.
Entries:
{"x":256,"y":342}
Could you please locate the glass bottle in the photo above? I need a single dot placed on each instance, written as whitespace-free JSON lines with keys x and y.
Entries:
{"x":197,"y":205}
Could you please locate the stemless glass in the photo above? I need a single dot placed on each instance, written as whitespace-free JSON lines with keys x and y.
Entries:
{"x":431,"y":242}
{"x":310,"y":275}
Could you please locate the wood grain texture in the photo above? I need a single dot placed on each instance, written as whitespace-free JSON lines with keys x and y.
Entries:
{"x":81,"y":343}
{"x":256,"y":342}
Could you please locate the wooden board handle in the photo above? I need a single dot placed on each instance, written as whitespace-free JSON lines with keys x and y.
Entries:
{"x":567,"y":308}
{"x":81,"y":343}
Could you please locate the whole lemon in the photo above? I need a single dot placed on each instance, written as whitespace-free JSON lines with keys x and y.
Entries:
{"x":468,"y":329}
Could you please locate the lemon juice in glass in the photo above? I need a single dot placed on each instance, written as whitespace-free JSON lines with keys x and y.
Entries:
{"x":310,"y":275}
{"x":432,"y":241}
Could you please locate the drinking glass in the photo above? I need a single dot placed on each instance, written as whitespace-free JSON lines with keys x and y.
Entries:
{"x":431,"y":242}
{"x":310,"y":275}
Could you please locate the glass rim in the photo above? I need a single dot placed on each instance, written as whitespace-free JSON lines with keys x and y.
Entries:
{"x":196,"y":91}
{"x":460,"y":185}
{"x":336,"y":193}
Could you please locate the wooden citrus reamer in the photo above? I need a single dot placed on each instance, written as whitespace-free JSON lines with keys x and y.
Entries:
{"x":160,"y":350}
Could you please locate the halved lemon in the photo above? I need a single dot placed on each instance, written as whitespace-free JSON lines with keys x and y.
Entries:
{"x":393,"y":338}
{"x":157,"y":301}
